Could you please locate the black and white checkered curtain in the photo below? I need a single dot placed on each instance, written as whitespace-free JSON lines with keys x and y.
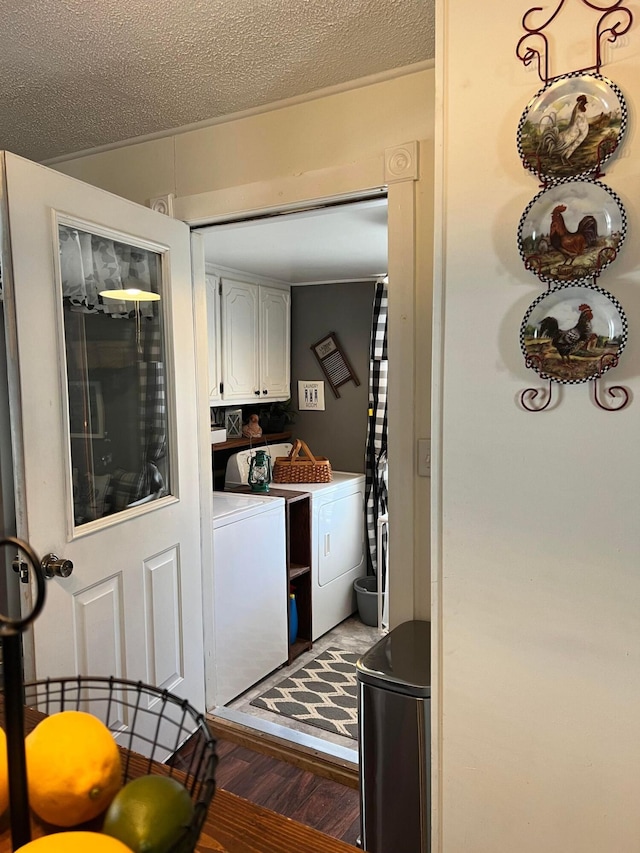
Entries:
{"x":376,"y":452}
{"x":153,"y":408}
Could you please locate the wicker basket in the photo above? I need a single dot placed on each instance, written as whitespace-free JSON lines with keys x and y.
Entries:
{"x":151,"y":725}
{"x":297,"y":469}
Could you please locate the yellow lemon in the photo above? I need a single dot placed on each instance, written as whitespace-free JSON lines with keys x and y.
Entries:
{"x":150,"y":814}
{"x":73,"y":768}
{"x":4,"y":773}
{"x":74,"y":842}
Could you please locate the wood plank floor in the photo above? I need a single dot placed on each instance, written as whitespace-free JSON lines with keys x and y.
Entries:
{"x":321,"y":803}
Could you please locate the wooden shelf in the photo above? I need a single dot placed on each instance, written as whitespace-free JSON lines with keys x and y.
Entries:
{"x":298,"y":532}
{"x":240,"y":443}
{"x":298,"y":648}
{"x":298,"y":510}
{"x":221,"y":452}
{"x":296,"y":570}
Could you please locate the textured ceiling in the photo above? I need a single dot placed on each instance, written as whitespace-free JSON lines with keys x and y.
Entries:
{"x":83,"y":73}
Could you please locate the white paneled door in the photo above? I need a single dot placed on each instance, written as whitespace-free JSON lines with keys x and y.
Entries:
{"x":104,"y":428}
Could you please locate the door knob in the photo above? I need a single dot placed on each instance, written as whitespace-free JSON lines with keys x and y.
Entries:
{"x":53,"y":566}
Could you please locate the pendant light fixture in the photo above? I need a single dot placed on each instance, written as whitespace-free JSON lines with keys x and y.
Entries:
{"x":133,"y":294}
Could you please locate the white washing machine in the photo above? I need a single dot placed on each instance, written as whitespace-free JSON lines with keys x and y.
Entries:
{"x":249,"y":591}
{"x":338,"y":554}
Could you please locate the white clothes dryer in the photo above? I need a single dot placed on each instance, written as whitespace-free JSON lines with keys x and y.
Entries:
{"x":338,"y":554}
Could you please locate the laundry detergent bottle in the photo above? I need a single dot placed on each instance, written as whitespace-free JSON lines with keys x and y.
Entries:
{"x":293,"y":618}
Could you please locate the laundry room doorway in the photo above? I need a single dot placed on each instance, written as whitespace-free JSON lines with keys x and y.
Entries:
{"x":332,"y":260}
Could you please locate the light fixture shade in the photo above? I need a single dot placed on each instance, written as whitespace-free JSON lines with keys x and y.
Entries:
{"x":130,"y":294}
{"x":260,"y":471}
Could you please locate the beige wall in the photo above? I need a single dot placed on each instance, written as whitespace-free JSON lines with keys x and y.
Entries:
{"x":536,"y":571}
{"x":323,"y":147}
{"x":338,"y":130}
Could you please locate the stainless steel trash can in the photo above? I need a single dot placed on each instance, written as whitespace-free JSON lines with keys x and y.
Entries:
{"x":394,"y":697}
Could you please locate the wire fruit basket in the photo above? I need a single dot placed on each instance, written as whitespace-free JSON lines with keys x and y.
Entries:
{"x":150,"y":725}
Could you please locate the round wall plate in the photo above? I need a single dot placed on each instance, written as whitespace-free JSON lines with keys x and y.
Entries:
{"x":572,"y":126}
{"x":571,"y":231}
{"x":573,"y":334}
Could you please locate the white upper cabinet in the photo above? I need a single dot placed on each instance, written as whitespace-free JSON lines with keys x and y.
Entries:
{"x":255,"y":332}
{"x":213,"y":331}
{"x":240,"y":324}
{"x":275,"y":342}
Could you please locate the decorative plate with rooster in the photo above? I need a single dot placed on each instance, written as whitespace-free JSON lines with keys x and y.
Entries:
{"x":572,"y":126}
{"x":573,"y":333}
{"x":571,"y":231}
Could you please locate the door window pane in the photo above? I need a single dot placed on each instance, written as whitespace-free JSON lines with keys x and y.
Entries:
{"x":115,"y":374}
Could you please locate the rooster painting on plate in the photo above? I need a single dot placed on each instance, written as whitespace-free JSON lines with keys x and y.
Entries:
{"x":571,"y":244}
{"x":572,"y":231}
{"x":568,"y":353}
{"x":571,"y":127}
{"x":572,"y":334}
{"x":561,"y":143}
{"x":567,"y":341}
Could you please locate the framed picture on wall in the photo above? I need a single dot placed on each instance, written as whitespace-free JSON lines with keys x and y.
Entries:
{"x":311,"y":395}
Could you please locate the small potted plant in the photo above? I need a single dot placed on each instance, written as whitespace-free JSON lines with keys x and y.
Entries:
{"x":277,"y":416}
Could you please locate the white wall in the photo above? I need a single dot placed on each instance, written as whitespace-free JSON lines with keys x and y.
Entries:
{"x":537,"y":538}
{"x":326,"y":146}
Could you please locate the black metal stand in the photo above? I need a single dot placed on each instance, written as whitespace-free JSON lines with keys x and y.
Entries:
{"x":14,"y":727}
{"x":11,"y":633}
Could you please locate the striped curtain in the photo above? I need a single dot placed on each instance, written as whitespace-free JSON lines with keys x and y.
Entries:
{"x":376,"y":451}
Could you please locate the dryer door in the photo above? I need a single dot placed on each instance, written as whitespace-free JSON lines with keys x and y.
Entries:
{"x":340,"y":536}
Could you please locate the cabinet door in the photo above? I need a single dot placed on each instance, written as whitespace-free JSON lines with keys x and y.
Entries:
{"x":240,"y":340}
{"x":275,"y":343}
{"x":213,"y":334}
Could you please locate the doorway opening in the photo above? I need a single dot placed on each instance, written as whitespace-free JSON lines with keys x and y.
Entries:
{"x":331,"y":258}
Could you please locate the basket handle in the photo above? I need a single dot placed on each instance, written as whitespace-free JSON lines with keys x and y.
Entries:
{"x":294,"y":450}
{"x":301,"y":445}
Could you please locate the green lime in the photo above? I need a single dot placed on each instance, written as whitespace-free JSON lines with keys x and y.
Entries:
{"x":149,"y":814}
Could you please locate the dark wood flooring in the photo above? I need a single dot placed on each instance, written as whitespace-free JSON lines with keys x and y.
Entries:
{"x":321,"y":803}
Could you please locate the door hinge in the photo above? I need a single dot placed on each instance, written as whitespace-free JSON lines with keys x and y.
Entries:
{"x":221,"y":387}
{"x":220,"y":288}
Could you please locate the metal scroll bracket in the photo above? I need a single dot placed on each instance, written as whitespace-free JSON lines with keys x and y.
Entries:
{"x":529,"y":395}
{"x":10,"y":633}
{"x":533,"y":46}
{"x":619,"y":395}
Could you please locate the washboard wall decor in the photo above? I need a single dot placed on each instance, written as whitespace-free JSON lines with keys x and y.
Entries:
{"x":334,"y":363}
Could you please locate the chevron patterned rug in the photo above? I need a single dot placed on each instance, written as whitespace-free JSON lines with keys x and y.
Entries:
{"x":322,"y":694}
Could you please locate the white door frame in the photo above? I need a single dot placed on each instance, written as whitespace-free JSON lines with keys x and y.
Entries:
{"x":396,"y":171}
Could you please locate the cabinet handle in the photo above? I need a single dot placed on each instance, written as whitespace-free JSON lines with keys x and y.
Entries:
{"x":264,"y":391}
{"x":327,"y":544}
{"x":257,"y":393}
